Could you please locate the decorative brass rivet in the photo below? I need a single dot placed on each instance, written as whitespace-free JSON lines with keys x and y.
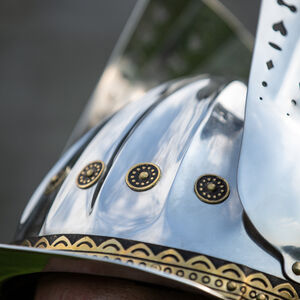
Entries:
{"x":156,"y":266}
{"x":211,"y":186}
{"x":231,"y":286}
{"x":90,"y":174}
{"x":143,"y":176}
{"x":56,"y":180}
{"x":296,"y":268}
{"x":261,"y":297}
{"x":211,"y":189}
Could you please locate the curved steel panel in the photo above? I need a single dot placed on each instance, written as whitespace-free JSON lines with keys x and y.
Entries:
{"x":190,"y":133}
{"x":269,"y":174}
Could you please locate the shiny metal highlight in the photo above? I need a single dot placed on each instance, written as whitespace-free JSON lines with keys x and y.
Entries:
{"x":192,"y":127}
{"x":269,"y":161}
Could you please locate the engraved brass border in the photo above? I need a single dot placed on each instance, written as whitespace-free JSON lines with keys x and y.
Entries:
{"x":212,"y":201}
{"x":147,"y":187}
{"x":228,"y":278}
{"x":92,"y":182}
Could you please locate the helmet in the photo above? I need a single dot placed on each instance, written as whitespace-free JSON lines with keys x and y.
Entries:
{"x":153,"y":189}
{"x":151,"y":194}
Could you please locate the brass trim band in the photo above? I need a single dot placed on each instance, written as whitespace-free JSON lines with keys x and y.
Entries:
{"x":228,"y":279}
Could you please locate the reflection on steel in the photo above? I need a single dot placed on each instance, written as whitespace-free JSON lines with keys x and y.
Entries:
{"x":269,"y":172}
{"x":187,"y":135}
{"x":166,"y":40}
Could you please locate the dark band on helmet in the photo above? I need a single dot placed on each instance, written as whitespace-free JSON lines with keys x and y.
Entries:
{"x":234,"y":281}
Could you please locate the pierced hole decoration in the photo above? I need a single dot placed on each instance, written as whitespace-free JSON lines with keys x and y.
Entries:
{"x":270,"y":64}
{"x":292,"y":8}
{"x":90,"y":174}
{"x":143,"y":176}
{"x":275,"y":46}
{"x":280,"y":27}
{"x":211,"y":189}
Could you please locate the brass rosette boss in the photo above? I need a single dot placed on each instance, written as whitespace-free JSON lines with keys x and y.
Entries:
{"x":90,"y":174}
{"x":57,"y":180}
{"x":211,"y":189}
{"x":143,"y":176}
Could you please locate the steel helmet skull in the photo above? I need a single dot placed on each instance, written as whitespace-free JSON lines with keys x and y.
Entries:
{"x":157,"y":192}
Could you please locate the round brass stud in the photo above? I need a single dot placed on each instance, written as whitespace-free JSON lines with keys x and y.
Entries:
{"x":296,"y":268}
{"x":261,"y":297}
{"x":143,"y":176}
{"x":231,"y":286}
{"x":211,"y":189}
{"x":90,"y":174}
{"x":56,"y":180}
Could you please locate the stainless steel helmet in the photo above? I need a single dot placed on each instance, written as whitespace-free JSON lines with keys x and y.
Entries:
{"x":151,"y":193}
{"x":153,"y":188}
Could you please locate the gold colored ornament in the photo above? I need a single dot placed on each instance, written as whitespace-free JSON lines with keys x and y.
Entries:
{"x":231,"y":286}
{"x":261,"y":297}
{"x":227,"y":278}
{"x":57,"y":180}
{"x":211,"y":189}
{"x":143,"y":176}
{"x":296,"y":268}
{"x":90,"y":174}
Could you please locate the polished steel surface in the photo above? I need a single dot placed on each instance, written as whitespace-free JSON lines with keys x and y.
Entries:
{"x":269,"y":172}
{"x":112,"y":139}
{"x":187,"y":133}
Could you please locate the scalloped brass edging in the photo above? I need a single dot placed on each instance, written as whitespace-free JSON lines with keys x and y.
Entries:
{"x":228,"y":279}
